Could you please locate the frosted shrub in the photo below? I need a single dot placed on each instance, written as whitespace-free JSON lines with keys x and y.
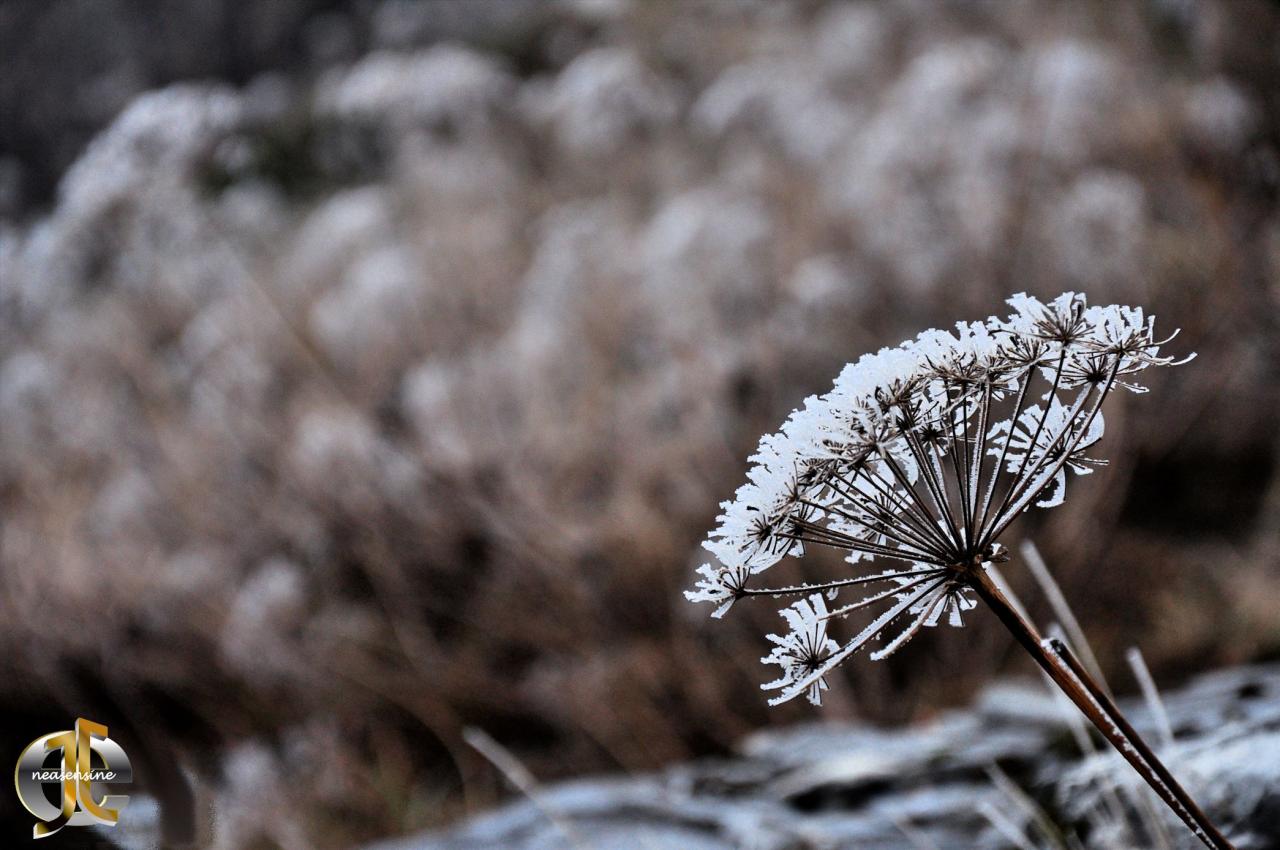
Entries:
{"x":345,"y":225}
{"x":922,"y":456}
{"x":710,"y":251}
{"x":29,"y":388}
{"x":606,"y":97}
{"x":336,"y":452}
{"x":1081,"y":90}
{"x":784,"y":106}
{"x":1098,"y":228}
{"x":443,"y":86}
{"x":269,"y":605}
{"x":1219,"y":118}
{"x":490,"y":446}
{"x":378,"y":304}
{"x":852,"y":41}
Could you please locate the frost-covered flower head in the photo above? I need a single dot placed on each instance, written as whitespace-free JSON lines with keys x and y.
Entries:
{"x":922,"y":454}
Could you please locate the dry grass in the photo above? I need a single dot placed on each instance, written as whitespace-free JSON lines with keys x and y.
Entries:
{"x":312,"y":474}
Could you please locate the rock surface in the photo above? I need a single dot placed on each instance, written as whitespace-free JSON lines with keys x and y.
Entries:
{"x":943,"y":785}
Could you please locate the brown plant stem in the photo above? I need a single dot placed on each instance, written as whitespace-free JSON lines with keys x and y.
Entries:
{"x":1079,"y":686}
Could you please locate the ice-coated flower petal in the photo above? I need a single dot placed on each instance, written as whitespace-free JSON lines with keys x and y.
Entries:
{"x":721,"y":587}
{"x":803,"y":650}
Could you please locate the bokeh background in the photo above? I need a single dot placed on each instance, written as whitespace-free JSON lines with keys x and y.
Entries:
{"x":371,"y":371}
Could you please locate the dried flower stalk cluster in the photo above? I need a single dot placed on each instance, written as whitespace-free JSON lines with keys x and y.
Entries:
{"x":925,"y":454}
{"x":907,"y":459}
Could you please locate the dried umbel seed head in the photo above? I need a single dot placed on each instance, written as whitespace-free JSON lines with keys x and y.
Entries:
{"x":922,"y":455}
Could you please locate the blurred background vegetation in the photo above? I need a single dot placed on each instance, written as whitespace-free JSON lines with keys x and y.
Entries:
{"x":373,"y":370}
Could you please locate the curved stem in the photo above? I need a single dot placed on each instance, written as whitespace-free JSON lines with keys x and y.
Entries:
{"x":1069,"y":675}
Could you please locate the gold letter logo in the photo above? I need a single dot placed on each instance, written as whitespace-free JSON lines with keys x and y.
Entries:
{"x":74,"y":775}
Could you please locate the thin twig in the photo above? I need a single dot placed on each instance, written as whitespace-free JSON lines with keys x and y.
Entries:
{"x":915,"y":837}
{"x":1035,"y":814}
{"x":1005,"y":827}
{"x":1074,"y":680}
{"x":524,"y":781}
{"x":1061,"y":609}
{"x":1152,"y":696}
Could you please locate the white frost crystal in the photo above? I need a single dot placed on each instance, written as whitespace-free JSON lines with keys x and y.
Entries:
{"x":804,"y":650}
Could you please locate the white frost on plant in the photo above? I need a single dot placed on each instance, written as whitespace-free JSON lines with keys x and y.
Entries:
{"x":923,"y":454}
{"x":719,"y":586}
{"x":803,"y":651}
{"x":1018,"y":436}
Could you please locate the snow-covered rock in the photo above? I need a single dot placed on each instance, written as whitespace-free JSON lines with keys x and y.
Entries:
{"x":841,"y":785}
